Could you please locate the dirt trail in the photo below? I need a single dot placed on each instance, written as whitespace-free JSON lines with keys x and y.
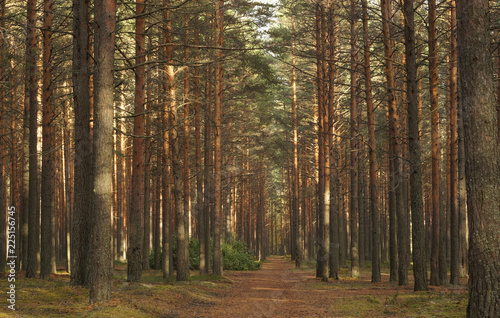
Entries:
{"x":279,"y":290}
{"x":273,"y":291}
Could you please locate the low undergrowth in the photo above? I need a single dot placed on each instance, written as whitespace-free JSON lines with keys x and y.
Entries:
{"x":359,"y":297}
{"x":155,"y":297}
{"x":235,"y":256}
{"x":159,"y":297}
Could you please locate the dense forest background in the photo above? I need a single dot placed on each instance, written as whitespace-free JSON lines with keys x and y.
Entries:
{"x":341,"y":131}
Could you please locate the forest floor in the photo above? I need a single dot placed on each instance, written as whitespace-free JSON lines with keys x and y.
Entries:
{"x":277,"y":290}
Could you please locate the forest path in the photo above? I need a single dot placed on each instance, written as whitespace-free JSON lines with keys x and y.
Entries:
{"x":273,"y":291}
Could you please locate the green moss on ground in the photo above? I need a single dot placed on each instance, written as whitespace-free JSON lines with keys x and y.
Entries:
{"x":155,"y":297}
{"x":361,"y":298}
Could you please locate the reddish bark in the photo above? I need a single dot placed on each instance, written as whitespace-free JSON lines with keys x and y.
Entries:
{"x":186,"y":130}
{"x":395,"y":185}
{"x":320,"y":137}
{"x":218,"y":90}
{"x":334,"y":236}
{"x":482,"y":150}
{"x":32,"y":106}
{"x":167,"y":266}
{"x":454,"y":231}
{"x":48,"y":190}
{"x":3,"y":151}
{"x":199,"y":175}
{"x":374,"y":200}
{"x":99,"y":247}
{"x":295,"y":162}
{"x":435,"y":160}
{"x":136,"y":215}
{"x":355,"y":271}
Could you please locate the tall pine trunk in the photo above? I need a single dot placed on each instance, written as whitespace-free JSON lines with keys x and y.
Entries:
{"x":174,"y":147}
{"x":148,"y":224}
{"x":80,"y":228}
{"x":355,"y":270}
{"x":295,"y":161}
{"x":372,"y":155}
{"x":197,"y":136}
{"x":462,"y":192}
{"x":320,"y":140}
{"x":32,"y":105}
{"x":218,"y":90}
{"x":186,"y":129}
{"x":185,"y":145}
{"x":136,"y":215}
{"x":324,"y":250}
{"x":208,"y":177}
{"x":454,"y":224}
{"x":435,"y":160}
{"x":182,"y":236}
{"x":418,"y":233}
{"x":100,"y":224}
{"x":120,"y":191}
{"x":3,"y":153}
{"x":48,"y":230}
{"x":167,"y":266}
{"x":498,"y":93}
{"x":332,"y":153}
{"x":482,"y":151}
{"x":395,"y":202}
{"x":396,"y":129}
{"x":157,"y":207}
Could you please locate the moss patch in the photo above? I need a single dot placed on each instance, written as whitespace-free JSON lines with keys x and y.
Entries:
{"x":151,"y":298}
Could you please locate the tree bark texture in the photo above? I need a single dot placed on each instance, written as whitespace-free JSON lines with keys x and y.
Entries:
{"x":167,"y":266}
{"x":80,"y":228}
{"x":185,"y":146}
{"x":32,"y":105}
{"x":454,"y":209}
{"x":147,"y":224}
{"x":218,"y":91}
{"x":295,"y":166}
{"x":208,"y":175}
{"x":3,"y":153}
{"x":136,"y":215}
{"x":199,"y":171}
{"x":175,"y":153}
{"x":320,"y":139}
{"x":394,"y":200}
{"x":100,"y":226}
{"x":418,"y":233}
{"x":334,"y":214}
{"x":327,"y":131}
{"x":48,"y":231}
{"x":435,"y":156}
{"x":373,"y":196}
{"x":482,"y":152}
{"x":355,"y":270}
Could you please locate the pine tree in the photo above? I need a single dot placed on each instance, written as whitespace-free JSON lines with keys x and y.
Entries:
{"x":100,"y":226}
{"x":418,"y":233}
{"x":482,"y":151}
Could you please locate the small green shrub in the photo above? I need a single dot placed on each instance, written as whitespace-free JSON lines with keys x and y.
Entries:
{"x":194,"y":254}
{"x":235,"y":256}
